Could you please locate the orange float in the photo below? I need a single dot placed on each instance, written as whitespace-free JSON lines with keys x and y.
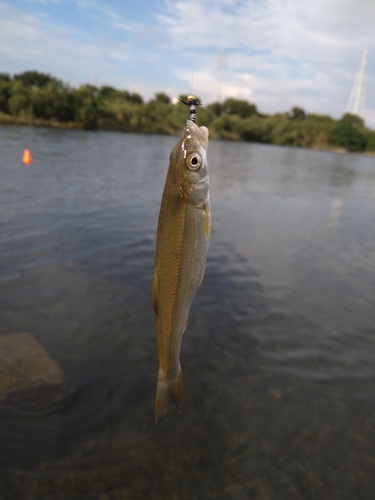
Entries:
{"x":27,"y":158}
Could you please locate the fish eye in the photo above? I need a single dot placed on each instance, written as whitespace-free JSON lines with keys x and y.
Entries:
{"x":193,"y":161}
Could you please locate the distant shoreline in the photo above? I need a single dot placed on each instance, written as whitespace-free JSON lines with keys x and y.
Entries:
{"x":40,"y":122}
{"x":41,"y":100}
{"x":37,"y":122}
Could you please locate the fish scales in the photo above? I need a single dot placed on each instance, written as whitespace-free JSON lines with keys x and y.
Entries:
{"x":180,"y":257}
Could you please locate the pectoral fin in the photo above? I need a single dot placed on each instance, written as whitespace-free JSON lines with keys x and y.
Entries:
{"x":207,"y":220}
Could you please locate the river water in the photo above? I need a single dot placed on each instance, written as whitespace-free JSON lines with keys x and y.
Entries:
{"x":279,"y":355}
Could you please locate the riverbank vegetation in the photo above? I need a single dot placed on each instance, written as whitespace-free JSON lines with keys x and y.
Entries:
{"x":34,"y":98}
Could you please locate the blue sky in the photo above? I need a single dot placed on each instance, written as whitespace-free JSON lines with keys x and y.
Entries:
{"x":275,"y":53}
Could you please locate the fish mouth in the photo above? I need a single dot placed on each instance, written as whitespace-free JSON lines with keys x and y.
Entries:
{"x":198,"y":135}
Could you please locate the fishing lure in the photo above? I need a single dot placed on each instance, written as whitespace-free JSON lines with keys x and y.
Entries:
{"x":192,"y":101}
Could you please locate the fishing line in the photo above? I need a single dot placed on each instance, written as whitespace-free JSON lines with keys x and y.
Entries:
{"x":191,"y":100}
{"x":197,"y":5}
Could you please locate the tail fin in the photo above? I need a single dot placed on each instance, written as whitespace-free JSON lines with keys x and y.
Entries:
{"x":167,"y":388}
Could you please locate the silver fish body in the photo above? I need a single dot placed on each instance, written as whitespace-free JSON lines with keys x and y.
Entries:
{"x":181,"y":249}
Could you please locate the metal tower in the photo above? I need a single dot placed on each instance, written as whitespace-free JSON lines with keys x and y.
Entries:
{"x":355,"y":103}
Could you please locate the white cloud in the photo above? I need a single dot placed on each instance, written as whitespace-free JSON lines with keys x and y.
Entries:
{"x":28,"y":42}
{"x":277,"y":53}
{"x":46,"y":2}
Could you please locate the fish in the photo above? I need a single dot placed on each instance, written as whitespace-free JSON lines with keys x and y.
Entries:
{"x":182,"y":239}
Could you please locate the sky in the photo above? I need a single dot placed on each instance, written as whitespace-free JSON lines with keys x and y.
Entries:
{"x":276,"y":54}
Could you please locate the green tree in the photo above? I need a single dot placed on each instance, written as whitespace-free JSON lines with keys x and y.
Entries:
{"x":348,"y":137}
{"x":163,"y":98}
{"x":65,"y":104}
{"x":297,"y":113}
{"x":87,"y":107}
{"x":215,"y":108}
{"x":286,"y":133}
{"x":106,"y":92}
{"x":19,"y":103}
{"x":5,"y":86}
{"x":370,"y":139}
{"x":256,"y":129}
{"x":353,"y":120}
{"x":53,"y":101}
{"x":239,"y":107}
{"x":135,"y":98}
{"x":30,"y":78}
{"x":320,"y":119}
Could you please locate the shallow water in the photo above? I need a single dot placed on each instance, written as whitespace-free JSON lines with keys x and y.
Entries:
{"x":278,"y":357}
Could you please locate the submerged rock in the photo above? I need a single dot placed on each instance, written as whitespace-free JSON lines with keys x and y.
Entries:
{"x":31,"y":395}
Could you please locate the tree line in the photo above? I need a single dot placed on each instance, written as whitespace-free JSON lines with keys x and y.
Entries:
{"x":36,"y":98}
